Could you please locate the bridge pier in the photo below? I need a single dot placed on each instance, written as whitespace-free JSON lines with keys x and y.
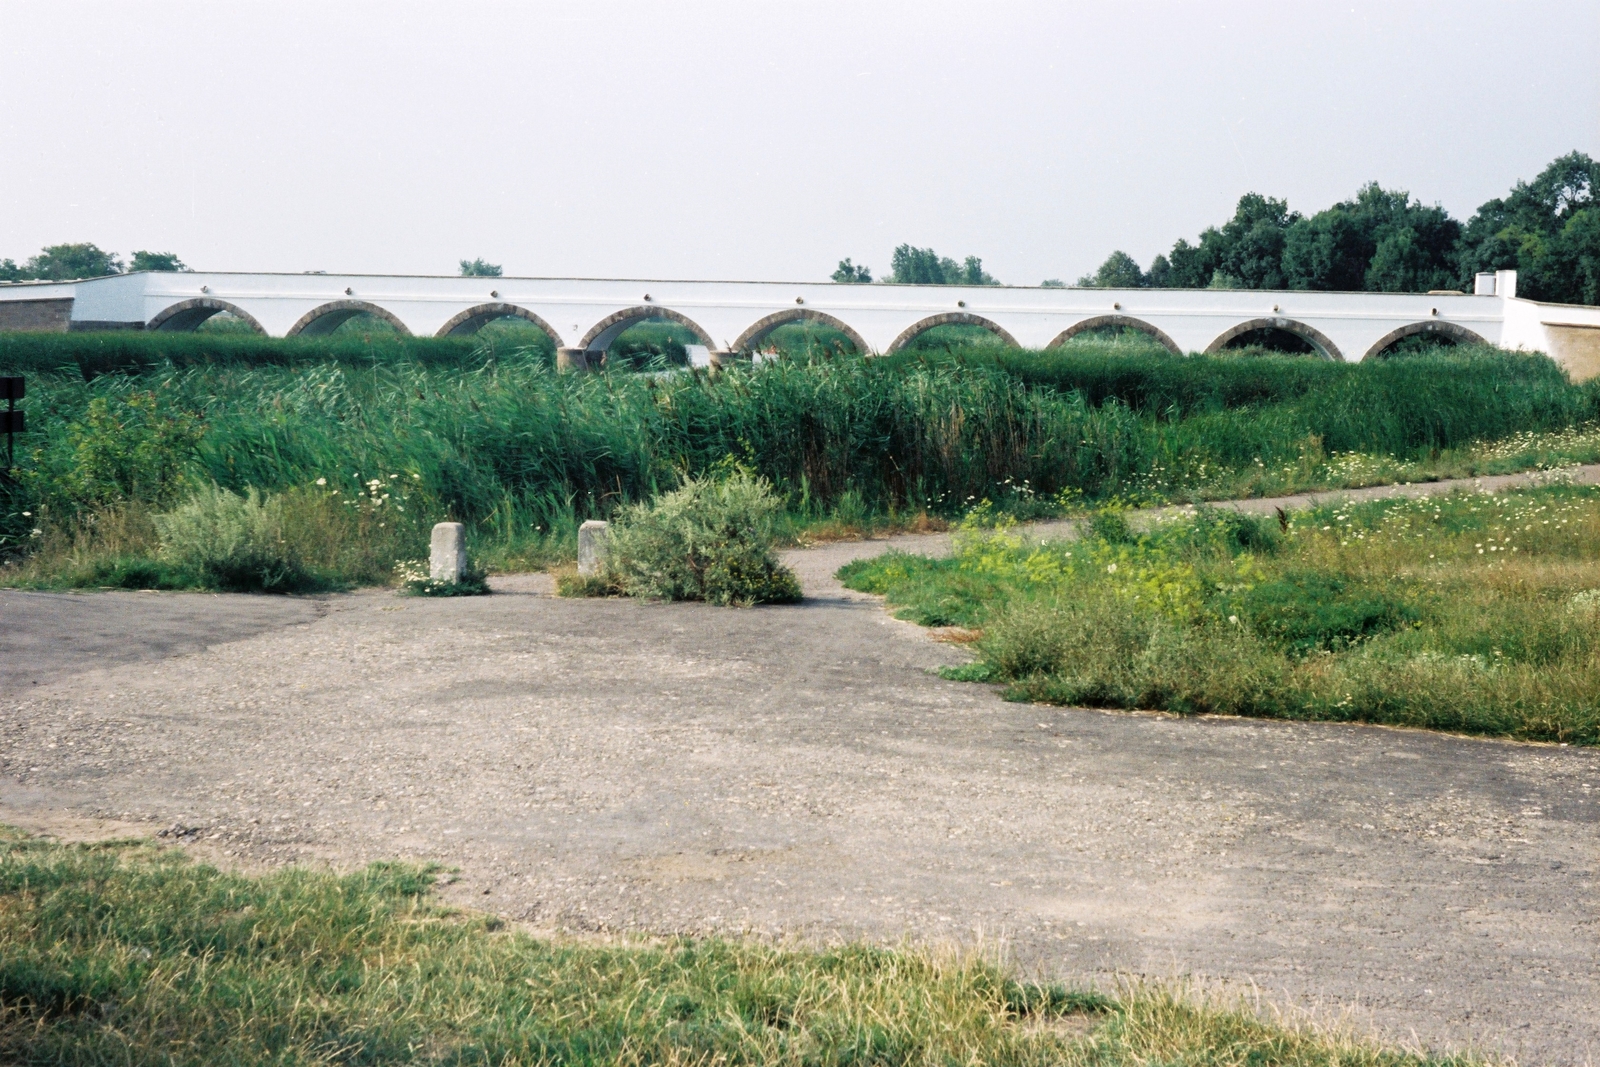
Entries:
{"x":572,"y":359}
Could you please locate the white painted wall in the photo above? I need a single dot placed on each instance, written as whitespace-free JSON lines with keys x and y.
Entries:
{"x":1193,"y":318}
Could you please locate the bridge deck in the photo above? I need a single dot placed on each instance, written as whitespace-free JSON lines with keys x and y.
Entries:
{"x":582,"y":314}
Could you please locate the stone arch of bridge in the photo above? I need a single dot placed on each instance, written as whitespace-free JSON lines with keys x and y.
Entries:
{"x":187,"y":315}
{"x":951,"y":318}
{"x":1126,"y":322}
{"x":328,"y":317}
{"x":1309,"y":334}
{"x":1458,"y":334}
{"x":761,"y":329}
{"x":474,"y":319}
{"x":602,"y":333}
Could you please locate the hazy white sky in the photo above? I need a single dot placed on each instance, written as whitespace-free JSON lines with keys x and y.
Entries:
{"x":755,"y":140}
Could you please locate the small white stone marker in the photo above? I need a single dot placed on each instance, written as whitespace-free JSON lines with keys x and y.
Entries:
{"x":447,"y":554}
{"x":593,"y":541}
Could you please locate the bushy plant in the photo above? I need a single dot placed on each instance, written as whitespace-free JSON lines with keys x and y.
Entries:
{"x":131,"y":445}
{"x":710,"y":539}
{"x":233,"y":543}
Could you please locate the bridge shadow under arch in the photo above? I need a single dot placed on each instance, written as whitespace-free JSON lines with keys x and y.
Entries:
{"x":324,"y":319}
{"x":759,"y":331}
{"x":950,"y":318}
{"x":1125,"y":322}
{"x":187,"y":315}
{"x":608,"y":329}
{"x":1447,"y":331}
{"x":474,"y":319}
{"x":1319,"y":341}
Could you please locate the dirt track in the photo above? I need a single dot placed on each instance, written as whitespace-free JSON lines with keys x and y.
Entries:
{"x":614,"y":765}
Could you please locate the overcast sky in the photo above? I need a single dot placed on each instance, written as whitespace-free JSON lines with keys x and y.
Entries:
{"x":755,"y":140}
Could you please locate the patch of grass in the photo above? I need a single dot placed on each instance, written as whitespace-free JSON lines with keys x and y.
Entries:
{"x":1471,"y":613}
{"x":123,"y":953}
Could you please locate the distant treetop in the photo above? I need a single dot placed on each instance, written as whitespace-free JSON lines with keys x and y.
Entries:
{"x":924,"y":266}
{"x":1382,"y":240}
{"x":478,"y":268}
{"x":850,"y":274}
{"x":66,"y":262}
{"x":156,"y":261}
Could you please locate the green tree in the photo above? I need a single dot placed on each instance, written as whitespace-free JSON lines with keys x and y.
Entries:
{"x":67,"y":261}
{"x":162,"y":261}
{"x":924,"y":266}
{"x":1536,"y":230}
{"x":1160,"y":274}
{"x":10,"y":272}
{"x":850,"y":274}
{"x":1248,"y":248}
{"x":1119,"y":271}
{"x":479,"y":268}
{"x":972,"y":273}
{"x":1382,"y":241}
{"x":1052,"y":283}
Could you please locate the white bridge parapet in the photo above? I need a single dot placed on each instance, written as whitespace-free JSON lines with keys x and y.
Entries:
{"x":582,"y":316}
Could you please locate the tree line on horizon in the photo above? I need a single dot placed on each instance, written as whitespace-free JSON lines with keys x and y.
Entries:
{"x":65,"y":262}
{"x":1382,"y":240}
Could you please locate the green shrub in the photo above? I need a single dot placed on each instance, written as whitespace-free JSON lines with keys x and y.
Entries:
{"x":233,"y":543}
{"x":708,"y":540}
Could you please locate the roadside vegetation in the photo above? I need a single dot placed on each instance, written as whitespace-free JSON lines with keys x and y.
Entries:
{"x":355,"y":446}
{"x":710,"y":539}
{"x":1476,"y":613}
{"x":125,"y":953}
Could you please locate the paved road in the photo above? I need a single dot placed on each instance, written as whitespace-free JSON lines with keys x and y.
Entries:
{"x":611,"y":765}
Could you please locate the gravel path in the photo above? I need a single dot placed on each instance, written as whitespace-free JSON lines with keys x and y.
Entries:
{"x":610,"y":765}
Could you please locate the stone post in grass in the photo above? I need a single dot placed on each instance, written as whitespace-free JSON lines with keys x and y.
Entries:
{"x":447,"y":554}
{"x":594,"y":540}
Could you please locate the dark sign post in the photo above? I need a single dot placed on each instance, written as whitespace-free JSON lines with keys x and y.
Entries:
{"x":11,"y":391}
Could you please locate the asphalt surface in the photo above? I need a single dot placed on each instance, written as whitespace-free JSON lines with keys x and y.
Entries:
{"x":800,"y":771}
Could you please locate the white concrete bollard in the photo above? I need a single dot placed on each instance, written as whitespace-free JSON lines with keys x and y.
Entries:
{"x":594,"y":541}
{"x":447,"y":554}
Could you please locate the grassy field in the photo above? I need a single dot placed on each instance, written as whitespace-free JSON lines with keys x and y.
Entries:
{"x":361,"y":443}
{"x":123,"y":953}
{"x":1476,"y":613}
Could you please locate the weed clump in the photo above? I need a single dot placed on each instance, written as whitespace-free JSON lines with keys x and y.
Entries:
{"x":233,"y":543}
{"x":710,"y":539}
{"x":416,"y":579}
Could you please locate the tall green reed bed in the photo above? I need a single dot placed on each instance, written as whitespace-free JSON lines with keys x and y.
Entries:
{"x":122,"y":953}
{"x":132,"y":351}
{"x":367,"y":453}
{"x":1475,"y":612}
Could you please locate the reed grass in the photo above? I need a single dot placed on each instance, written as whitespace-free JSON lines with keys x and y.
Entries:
{"x":498,"y":440}
{"x":124,"y":953}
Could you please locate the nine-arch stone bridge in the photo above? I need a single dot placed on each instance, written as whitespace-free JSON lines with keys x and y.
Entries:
{"x":583,"y":316}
